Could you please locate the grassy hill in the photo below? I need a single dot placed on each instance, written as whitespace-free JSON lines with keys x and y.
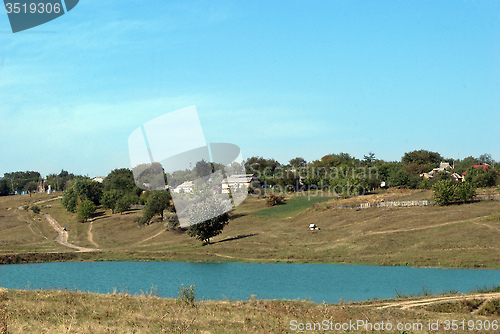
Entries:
{"x":453,"y":236}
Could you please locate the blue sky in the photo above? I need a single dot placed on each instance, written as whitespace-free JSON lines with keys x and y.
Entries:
{"x":280,"y":79}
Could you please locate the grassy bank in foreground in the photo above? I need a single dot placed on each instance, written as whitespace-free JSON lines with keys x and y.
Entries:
{"x":76,"y":312}
{"x":451,"y":236}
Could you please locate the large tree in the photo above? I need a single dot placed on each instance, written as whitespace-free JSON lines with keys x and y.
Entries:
{"x":209,"y":218}
{"x":80,"y":191}
{"x":4,"y":187}
{"x":203,"y":168}
{"x":85,"y":210}
{"x":110,"y":198}
{"x":298,"y":162}
{"x":122,"y":180}
{"x":417,"y":162}
{"x":157,"y":202}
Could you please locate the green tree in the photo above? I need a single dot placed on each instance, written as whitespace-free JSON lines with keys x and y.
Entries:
{"x":203,"y":168}
{"x":88,"y":189}
{"x":481,"y":178}
{"x":369,"y":159}
{"x":486,"y":158}
{"x":417,"y":162}
{"x":261,"y":167}
{"x":85,"y":210}
{"x":5,"y":188}
{"x":123,"y":204}
{"x":399,"y":178}
{"x":31,"y":187}
{"x":149,"y":176}
{"x":110,"y":198}
{"x":121,"y":180}
{"x":157,"y":202}
{"x":444,"y":192}
{"x":465,"y":191}
{"x":70,"y":199}
{"x":298,"y":162}
{"x":213,"y":214}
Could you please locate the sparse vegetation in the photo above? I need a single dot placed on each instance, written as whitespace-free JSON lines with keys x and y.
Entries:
{"x":187,"y":295}
{"x":66,"y":311}
{"x":275,"y":199}
{"x":35,"y":209}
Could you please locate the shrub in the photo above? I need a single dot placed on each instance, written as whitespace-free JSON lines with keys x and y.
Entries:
{"x":187,"y":295}
{"x":447,"y":191}
{"x":465,"y":191}
{"x":274,"y":199}
{"x":35,"y":209}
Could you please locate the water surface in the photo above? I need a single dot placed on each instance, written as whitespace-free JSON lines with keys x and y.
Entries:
{"x":238,"y":281}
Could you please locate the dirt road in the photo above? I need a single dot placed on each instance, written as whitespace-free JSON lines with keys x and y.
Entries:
{"x":62,"y":238}
{"x":407,"y":304}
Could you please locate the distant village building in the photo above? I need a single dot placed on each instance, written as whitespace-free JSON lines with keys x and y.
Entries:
{"x":485,"y":168}
{"x":186,"y":187}
{"x":444,"y":167}
{"x":238,"y":181}
{"x":99,"y":179}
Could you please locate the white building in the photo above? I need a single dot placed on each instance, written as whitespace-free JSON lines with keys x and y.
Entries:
{"x":99,"y":179}
{"x":186,"y":187}
{"x":238,"y":181}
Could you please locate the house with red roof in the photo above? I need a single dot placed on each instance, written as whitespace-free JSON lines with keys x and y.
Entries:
{"x":485,"y":168}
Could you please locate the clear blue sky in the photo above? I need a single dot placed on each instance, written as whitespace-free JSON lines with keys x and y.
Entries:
{"x":280,"y":79}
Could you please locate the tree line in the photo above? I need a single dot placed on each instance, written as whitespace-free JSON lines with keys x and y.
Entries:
{"x":347,"y":172}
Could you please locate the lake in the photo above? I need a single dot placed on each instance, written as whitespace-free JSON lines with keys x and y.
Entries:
{"x":238,"y":281}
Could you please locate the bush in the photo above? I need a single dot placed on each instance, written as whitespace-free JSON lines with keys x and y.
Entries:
{"x":448,"y":191}
{"x":274,"y":199}
{"x":465,"y":191}
{"x":172,"y":221}
{"x":444,"y":192}
{"x":35,"y":209}
{"x":187,"y":295}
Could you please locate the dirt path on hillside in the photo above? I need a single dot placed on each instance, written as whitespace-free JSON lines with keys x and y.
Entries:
{"x":44,"y":201}
{"x":425,"y":227}
{"x":91,"y":236}
{"x":407,"y":304}
{"x":487,"y":225}
{"x":62,"y":238}
{"x":151,"y":237}
{"x":48,"y":200}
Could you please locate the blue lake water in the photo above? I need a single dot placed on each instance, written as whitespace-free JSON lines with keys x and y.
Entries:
{"x":238,"y":281}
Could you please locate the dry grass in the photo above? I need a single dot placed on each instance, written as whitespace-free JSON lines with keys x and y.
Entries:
{"x":452,"y":236}
{"x":76,"y":312}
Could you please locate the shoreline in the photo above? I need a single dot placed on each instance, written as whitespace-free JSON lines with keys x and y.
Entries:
{"x":163,"y":256}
